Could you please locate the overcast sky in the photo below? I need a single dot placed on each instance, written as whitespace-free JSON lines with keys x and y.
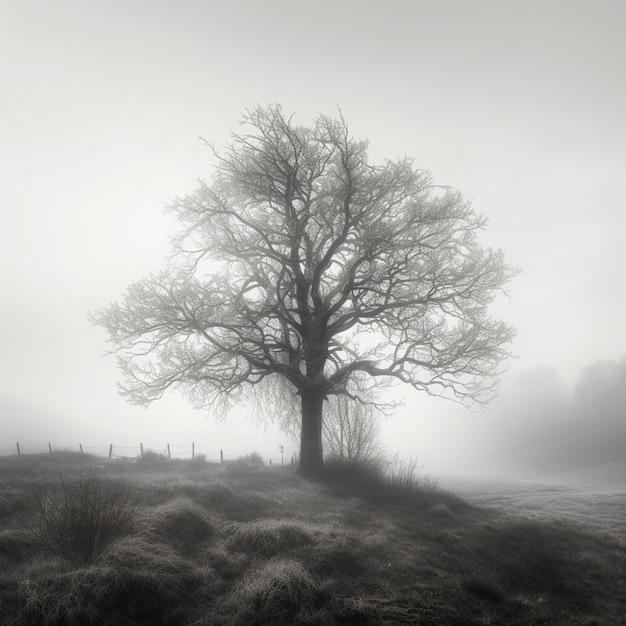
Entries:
{"x":519,"y":105}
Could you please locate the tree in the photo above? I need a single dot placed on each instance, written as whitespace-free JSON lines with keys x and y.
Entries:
{"x":601,"y":408}
{"x":351,"y":430}
{"x":600,"y":383}
{"x":304,"y":265}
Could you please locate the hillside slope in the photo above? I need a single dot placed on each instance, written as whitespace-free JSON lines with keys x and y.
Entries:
{"x":239,"y":543}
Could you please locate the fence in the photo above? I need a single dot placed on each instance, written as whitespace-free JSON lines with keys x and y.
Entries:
{"x":184,"y":451}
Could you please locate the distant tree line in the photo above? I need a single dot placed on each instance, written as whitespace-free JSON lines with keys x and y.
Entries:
{"x":546,"y":421}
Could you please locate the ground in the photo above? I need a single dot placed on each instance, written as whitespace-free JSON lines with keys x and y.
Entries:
{"x":240,"y":543}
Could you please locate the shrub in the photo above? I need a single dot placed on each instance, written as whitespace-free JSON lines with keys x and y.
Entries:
{"x":393,"y":476}
{"x":403,"y":476}
{"x":82,"y":516}
{"x":151,"y":459}
{"x":351,"y":430}
{"x":356,"y":471}
{"x":254,"y":458}
{"x":244,"y":465}
{"x":396,"y":480}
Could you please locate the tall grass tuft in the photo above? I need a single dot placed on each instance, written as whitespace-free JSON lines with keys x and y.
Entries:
{"x":403,"y":476}
{"x":268,"y":537}
{"x":181,"y":523}
{"x":103,"y":595}
{"x":82,"y":516}
{"x":280,"y":592}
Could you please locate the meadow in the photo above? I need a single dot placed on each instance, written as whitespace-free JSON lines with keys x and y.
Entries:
{"x":150,"y":541}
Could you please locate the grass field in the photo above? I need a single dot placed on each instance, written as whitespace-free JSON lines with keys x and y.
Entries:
{"x":186,"y":542}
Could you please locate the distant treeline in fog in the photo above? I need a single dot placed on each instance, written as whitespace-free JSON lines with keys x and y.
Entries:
{"x":540,"y":420}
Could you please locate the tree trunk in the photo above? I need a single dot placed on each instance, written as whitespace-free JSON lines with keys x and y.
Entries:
{"x":311,"y":459}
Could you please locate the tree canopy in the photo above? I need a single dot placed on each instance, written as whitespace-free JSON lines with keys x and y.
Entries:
{"x":304,"y":264}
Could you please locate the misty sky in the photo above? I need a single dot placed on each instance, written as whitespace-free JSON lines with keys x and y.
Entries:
{"x":519,"y":105}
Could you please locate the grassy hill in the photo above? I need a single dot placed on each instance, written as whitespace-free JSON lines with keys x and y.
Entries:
{"x":187,"y":542}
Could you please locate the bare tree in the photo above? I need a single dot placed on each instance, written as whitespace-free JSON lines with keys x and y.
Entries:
{"x":303,"y":264}
{"x":351,"y":430}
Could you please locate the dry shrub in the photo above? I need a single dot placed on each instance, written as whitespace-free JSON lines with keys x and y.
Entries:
{"x":244,"y":465}
{"x":277,"y":593}
{"x":82,"y":516}
{"x":267,"y":537}
{"x":254,"y":458}
{"x":151,"y":460}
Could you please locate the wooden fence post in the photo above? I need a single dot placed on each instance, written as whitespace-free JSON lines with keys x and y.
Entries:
{"x":169,"y":454}
{"x":110,"y":451}
{"x":141,"y":449}
{"x":80,"y":445}
{"x":17,"y":443}
{"x":221,"y":456}
{"x":50,"y":447}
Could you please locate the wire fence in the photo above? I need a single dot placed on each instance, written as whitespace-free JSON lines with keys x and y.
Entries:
{"x":188,"y":451}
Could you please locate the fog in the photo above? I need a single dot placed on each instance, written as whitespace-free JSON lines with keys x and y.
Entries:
{"x":519,"y":106}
